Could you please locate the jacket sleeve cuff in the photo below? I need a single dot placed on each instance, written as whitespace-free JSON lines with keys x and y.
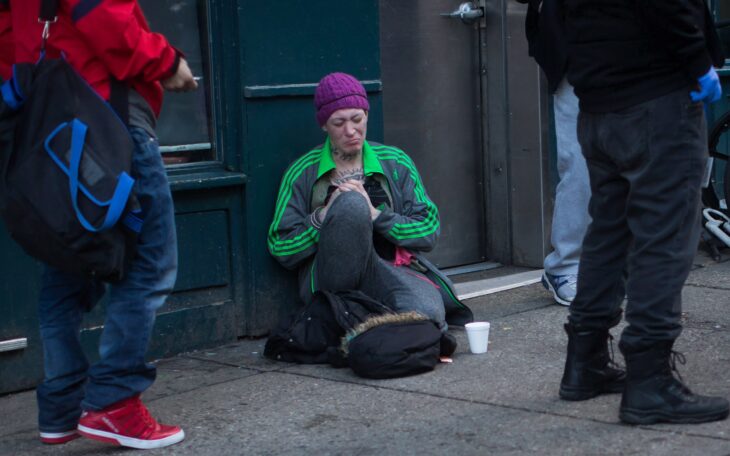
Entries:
{"x":699,"y":66}
{"x":175,"y":64}
{"x":315,"y":219}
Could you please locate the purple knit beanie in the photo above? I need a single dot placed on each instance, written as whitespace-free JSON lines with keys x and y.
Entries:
{"x":338,"y":91}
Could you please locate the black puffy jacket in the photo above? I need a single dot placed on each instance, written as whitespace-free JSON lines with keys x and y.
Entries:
{"x":625,"y":52}
{"x":312,"y":335}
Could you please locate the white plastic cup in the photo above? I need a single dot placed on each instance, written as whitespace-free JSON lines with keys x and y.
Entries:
{"x":478,"y":335}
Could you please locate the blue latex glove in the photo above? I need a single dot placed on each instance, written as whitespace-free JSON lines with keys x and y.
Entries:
{"x":710,"y":89}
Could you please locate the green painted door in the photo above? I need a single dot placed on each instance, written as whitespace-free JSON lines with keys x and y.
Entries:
{"x":285,"y":51}
{"x":208,"y":189}
{"x":226,"y":147}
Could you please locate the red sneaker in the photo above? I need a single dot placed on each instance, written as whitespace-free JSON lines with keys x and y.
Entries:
{"x":57,"y":438}
{"x":128,"y":423}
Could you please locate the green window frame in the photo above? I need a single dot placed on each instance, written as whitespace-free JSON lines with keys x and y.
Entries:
{"x":186,"y":124}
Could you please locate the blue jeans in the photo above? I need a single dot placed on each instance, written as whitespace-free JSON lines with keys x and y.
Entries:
{"x":646,"y":164}
{"x":570,"y":215}
{"x":70,"y":384}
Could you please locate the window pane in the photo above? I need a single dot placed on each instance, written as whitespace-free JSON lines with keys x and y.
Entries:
{"x":185,"y":122}
{"x":722,"y":19}
{"x":722,"y":9}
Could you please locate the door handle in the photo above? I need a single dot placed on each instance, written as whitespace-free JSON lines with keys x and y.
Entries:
{"x":467,"y":12}
{"x":13,"y":344}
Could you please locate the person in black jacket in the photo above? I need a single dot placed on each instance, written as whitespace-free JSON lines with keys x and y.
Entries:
{"x":642,"y":70}
{"x":548,"y":45}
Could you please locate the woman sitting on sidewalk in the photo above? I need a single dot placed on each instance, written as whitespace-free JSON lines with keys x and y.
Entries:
{"x":352,"y":215}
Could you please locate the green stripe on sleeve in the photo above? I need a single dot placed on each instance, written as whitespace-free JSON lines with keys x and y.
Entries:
{"x":305,"y":239}
{"x":419,"y":228}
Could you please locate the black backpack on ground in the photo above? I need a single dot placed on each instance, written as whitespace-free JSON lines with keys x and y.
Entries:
{"x":349,"y":328}
{"x":398,"y":345}
{"x":312,"y":335}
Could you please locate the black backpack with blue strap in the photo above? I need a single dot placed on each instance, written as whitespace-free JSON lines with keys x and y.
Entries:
{"x":66,"y":189}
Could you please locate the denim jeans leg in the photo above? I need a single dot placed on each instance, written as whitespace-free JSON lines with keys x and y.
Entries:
{"x":121,"y":371}
{"x":63,"y":300}
{"x":570,"y":214}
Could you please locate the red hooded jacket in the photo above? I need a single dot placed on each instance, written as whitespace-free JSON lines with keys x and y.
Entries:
{"x":7,"y":49}
{"x":100,"y":39}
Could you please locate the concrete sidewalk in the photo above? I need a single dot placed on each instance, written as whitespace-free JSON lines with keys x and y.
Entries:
{"x":231,"y":401}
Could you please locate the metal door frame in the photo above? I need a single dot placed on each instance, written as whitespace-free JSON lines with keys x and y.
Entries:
{"x":515,"y":137}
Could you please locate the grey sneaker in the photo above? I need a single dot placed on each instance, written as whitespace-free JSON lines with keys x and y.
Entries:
{"x":563,"y":287}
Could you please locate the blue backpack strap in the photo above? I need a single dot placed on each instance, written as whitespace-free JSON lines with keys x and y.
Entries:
{"x":9,"y":96}
{"x":11,"y":93}
{"x":122,"y":190}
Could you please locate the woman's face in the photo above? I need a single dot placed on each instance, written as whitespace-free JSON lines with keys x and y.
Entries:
{"x":347,"y":129}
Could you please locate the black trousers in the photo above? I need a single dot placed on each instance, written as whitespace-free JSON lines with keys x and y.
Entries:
{"x":646,"y":165}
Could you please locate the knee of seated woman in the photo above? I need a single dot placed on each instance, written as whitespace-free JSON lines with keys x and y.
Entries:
{"x":351,"y":204}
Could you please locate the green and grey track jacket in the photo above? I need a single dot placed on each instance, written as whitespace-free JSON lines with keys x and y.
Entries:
{"x":412,"y":222}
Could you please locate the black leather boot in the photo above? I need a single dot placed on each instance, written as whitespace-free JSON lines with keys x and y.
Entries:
{"x":654,"y":395}
{"x":587,"y":366}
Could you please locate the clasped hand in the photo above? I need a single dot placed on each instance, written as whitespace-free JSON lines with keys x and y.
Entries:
{"x":351,"y":185}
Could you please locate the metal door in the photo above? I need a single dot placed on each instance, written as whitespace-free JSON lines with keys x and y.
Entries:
{"x":430,"y":68}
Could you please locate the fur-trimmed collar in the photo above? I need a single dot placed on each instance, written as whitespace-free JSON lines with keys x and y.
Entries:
{"x":378,"y":320}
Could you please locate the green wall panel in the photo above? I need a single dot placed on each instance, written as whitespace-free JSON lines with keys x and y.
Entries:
{"x":205,"y":238}
{"x":19,"y":281}
{"x":22,"y":369}
{"x":179,"y":331}
{"x":299,"y":41}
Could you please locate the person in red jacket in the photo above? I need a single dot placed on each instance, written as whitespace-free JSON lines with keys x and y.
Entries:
{"x":7,"y":50}
{"x":111,"y":46}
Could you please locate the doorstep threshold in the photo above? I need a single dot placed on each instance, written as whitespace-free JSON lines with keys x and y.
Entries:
{"x":469,"y":268}
{"x":476,"y":288}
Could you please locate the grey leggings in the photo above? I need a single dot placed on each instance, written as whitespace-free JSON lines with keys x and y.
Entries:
{"x":346,"y":260}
